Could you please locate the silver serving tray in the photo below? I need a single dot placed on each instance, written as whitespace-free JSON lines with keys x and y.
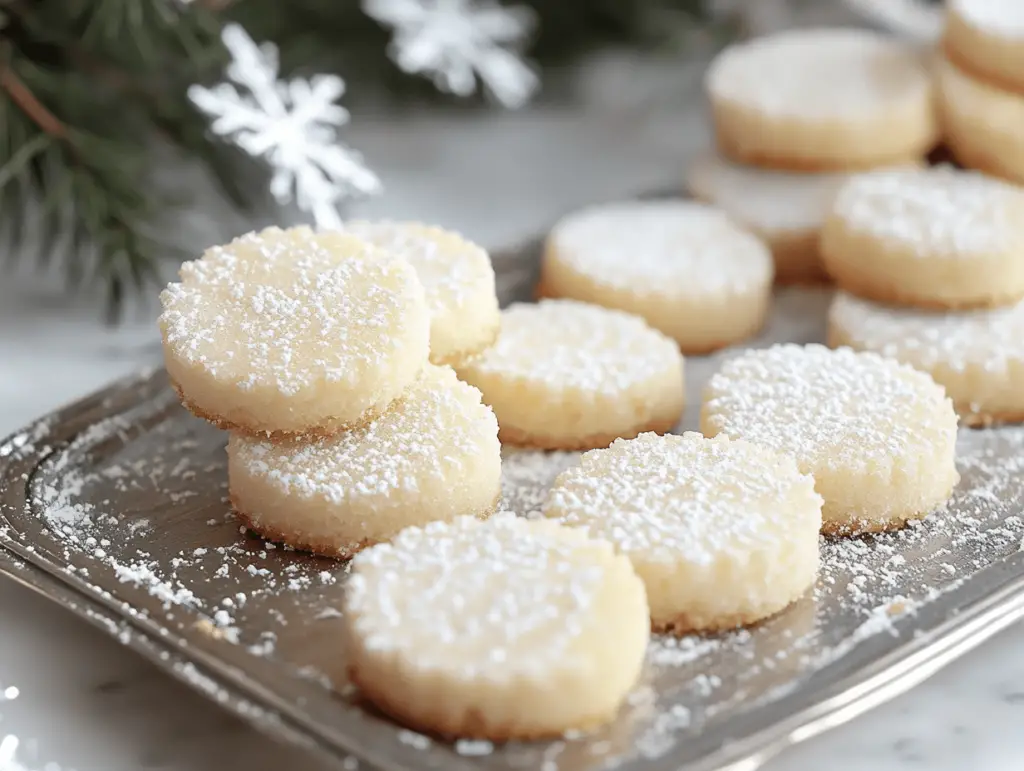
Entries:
{"x":115,"y":508}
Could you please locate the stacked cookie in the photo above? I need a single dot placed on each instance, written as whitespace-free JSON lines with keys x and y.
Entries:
{"x":314,"y":350}
{"x":981,"y":85}
{"x":795,"y":115}
{"x":930,"y":266}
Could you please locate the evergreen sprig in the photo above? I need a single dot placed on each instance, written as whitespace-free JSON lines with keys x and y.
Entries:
{"x":88,"y":88}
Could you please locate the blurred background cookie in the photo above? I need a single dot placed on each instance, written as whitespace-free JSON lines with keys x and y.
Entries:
{"x":822,"y":99}
{"x":683,"y":266}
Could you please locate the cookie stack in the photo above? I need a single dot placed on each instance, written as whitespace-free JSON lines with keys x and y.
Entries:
{"x":981,"y":85}
{"x":795,"y":115}
{"x":930,"y":264}
{"x":325,"y":356}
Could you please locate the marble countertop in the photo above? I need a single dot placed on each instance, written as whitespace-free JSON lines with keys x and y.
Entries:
{"x":76,"y":700}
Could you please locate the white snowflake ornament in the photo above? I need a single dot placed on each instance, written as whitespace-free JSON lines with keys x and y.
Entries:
{"x":291,"y":124}
{"x":458,"y":41}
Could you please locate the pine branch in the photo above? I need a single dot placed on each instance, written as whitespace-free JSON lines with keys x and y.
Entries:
{"x":79,"y":111}
{"x":86,"y":85}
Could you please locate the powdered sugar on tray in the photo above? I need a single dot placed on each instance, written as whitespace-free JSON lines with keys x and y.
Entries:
{"x":134,"y":512}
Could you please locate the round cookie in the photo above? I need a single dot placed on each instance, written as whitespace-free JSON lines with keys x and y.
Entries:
{"x":822,"y":99}
{"x":433,"y":456}
{"x":978,"y":356}
{"x":723,"y":533}
{"x":504,"y":629}
{"x":571,"y":376}
{"x":932,"y":238}
{"x":982,"y":123}
{"x":785,"y":209}
{"x":986,"y":37}
{"x":683,"y":266}
{"x":291,"y":331}
{"x":457,"y":278}
{"x":878,"y":437}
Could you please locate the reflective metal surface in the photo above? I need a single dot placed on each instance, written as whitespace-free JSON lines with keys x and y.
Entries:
{"x":115,"y":508}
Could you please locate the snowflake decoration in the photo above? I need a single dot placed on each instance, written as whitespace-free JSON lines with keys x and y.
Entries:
{"x":458,"y":41}
{"x":292,"y":124}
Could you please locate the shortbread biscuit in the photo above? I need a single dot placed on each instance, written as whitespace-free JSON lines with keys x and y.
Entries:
{"x":291,"y":331}
{"x":458,"y":280}
{"x":723,"y":533}
{"x":683,"y":266}
{"x":978,"y":356}
{"x":878,"y":437}
{"x":433,"y":456}
{"x":986,"y":37}
{"x":571,"y":376}
{"x":933,"y":238}
{"x":504,"y":629}
{"x":822,"y":99}
{"x":982,"y":123}
{"x":785,"y":209}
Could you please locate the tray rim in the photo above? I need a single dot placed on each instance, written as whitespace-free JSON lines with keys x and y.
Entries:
{"x":851,"y":695}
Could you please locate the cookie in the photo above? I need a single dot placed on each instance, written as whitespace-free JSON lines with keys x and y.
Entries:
{"x":932,"y":238}
{"x":571,"y":376}
{"x":982,"y":123}
{"x":978,"y":356}
{"x":822,"y":99}
{"x":433,"y":456}
{"x":504,"y":629}
{"x":785,"y":209}
{"x":683,"y":266}
{"x":986,"y":37}
{"x":457,"y":278}
{"x":878,"y":437}
{"x":291,"y":331}
{"x":723,"y":533}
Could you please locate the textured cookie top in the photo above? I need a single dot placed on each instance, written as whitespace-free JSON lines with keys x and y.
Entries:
{"x":453,"y":271}
{"x":1004,"y":18}
{"x":286,"y":309}
{"x":828,"y":408}
{"x":566,"y":344}
{"x":687,"y":498}
{"x":934,"y":212}
{"x":986,"y":339}
{"x":436,"y":427}
{"x":662,"y":248}
{"x":500,"y":599}
{"x":820,"y":74}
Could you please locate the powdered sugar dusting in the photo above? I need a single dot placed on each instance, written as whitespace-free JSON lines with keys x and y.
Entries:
{"x":769,"y":201}
{"x":435,"y":433}
{"x":453,"y":271}
{"x":594,"y":351}
{"x":989,"y":341}
{"x":476,"y":598}
{"x":829,"y":408}
{"x":1002,"y":18}
{"x":688,"y":499}
{"x":160,"y":465}
{"x":936,"y":212}
{"x":661,"y":248}
{"x":286,"y":310}
{"x":818,"y":74}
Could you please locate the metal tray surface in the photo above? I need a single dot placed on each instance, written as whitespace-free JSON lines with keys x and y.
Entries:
{"x":115,"y":507}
